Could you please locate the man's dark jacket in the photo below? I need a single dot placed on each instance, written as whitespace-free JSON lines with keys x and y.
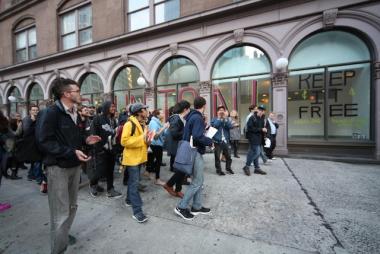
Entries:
{"x":104,"y":126}
{"x":195,"y":126}
{"x":175,"y":134}
{"x":254,"y":129}
{"x":58,"y":137}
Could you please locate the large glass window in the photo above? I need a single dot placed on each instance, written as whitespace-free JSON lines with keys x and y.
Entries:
{"x":92,"y":89}
{"x":76,"y":27}
{"x":125,"y":87}
{"x":14,"y":100}
{"x":144,"y":13}
{"x":36,"y":95}
{"x":26,"y":44}
{"x":241,"y":77}
{"x":177,"y":80}
{"x":329,"y":89}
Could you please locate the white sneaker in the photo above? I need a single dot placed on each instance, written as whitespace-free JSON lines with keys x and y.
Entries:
{"x":274,"y":158}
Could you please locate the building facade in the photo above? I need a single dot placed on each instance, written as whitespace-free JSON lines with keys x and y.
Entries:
{"x":315,"y":63}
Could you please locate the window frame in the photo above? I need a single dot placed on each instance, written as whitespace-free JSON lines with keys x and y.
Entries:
{"x":74,"y":9}
{"x":152,"y":13}
{"x":27,"y":47}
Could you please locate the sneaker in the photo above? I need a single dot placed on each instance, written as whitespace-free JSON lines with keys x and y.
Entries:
{"x":184,"y":213}
{"x":170,"y":190}
{"x":99,"y":188}
{"x":31,"y":178}
{"x":127,"y":203}
{"x":159,"y":182}
{"x":259,"y":171}
{"x":4,"y":206}
{"x":140,"y":218}
{"x":141,"y":187}
{"x":220,"y":172}
{"x":236,"y":156}
{"x":43,"y":188}
{"x":229,"y":171}
{"x":203,"y":210}
{"x":274,"y":158}
{"x":113,"y":194}
{"x":247,"y":171}
{"x":93,"y":191}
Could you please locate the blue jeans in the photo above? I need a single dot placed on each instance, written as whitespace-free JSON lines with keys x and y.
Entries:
{"x":133,"y":195}
{"x":253,"y":155}
{"x":35,"y":171}
{"x":194,"y":191}
{"x":262,"y":154}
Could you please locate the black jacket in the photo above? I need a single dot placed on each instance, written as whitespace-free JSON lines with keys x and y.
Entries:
{"x":58,"y":137}
{"x":104,"y":126}
{"x":254,"y":129}
{"x":175,"y":134}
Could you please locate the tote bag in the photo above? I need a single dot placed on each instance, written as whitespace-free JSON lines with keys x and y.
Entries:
{"x":185,"y":157}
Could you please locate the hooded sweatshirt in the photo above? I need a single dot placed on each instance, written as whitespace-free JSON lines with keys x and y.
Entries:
{"x":104,"y":126}
{"x":195,"y":126}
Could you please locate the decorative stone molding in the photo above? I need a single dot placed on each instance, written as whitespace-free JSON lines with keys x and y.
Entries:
{"x":205,"y":86}
{"x":125,"y":59}
{"x":11,"y":82}
{"x":279,"y":79}
{"x":238,"y":35}
{"x":329,"y":17}
{"x":87,"y":67}
{"x":377,"y":70}
{"x":32,"y":78}
{"x":57,"y":73}
{"x":173,"y":48}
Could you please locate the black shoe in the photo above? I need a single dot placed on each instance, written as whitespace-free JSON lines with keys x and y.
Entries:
{"x":127,"y":203}
{"x":220,"y":172}
{"x":259,"y":171}
{"x":140,"y":218}
{"x":15,"y":177}
{"x":99,"y":188}
{"x":141,"y":187}
{"x":230,"y":171}
{"x":93,"y":191}
{"x":236,"y":156}
{"x":184,"y":213}
{"x":72,"y":240}
{"x":203,"y":210}
{"x":247,"y":171}
{"x":31,"y":178}
{"x":163,"y":164}
{"x":113,"y":194}
{"x":22,"y":166}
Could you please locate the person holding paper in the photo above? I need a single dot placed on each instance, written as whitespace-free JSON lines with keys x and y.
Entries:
{"x":135,"y":139}
{"x":222,"y":140}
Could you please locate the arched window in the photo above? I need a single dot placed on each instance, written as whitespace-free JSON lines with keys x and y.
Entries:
{"x":14,"y":99}
{"x":35,"y":95}
{"x":125,"y":87}
{"x":329,"y":88}
{"x":178,"y":79}
{"x":92,"y":89}
{"x":25,"y":38}
{"x":241,"y":77}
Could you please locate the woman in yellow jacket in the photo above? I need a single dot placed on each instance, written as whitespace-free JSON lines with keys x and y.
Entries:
{"x":135,"y":139}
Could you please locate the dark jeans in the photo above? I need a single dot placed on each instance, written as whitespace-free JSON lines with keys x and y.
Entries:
{"x":156,"y":159}
{"x":133,"y":195}
{"x":35,"y":171}
{"x":219,"y":148}
{"x":235,"y":146}
{"x":172,"y":158}
{"x":105,"y":164}
{"x":176,"y":179}
{"x":269,"y":151}
{"x":253,"y":155}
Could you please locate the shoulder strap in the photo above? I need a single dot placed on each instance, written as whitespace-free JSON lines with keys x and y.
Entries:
{"x":133,"y":128}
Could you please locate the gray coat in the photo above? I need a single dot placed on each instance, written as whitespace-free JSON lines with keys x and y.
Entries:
{"x":234,"y":132}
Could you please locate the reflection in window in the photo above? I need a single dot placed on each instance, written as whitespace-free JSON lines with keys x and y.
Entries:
{"x":241,"y":78}
{"x":26,"y":44}
{"x":76,"y":27}
{"x":14,"y":103}
{"x":125,"y":87}
{"x":92,"y":89}
{"x":330,"y":102}
{"x":36,"y":95}
{"x":177,"y":80}
{"x":144,"y":13}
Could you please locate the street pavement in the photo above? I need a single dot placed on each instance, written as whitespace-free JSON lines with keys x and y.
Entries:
{"x":301,"y":206}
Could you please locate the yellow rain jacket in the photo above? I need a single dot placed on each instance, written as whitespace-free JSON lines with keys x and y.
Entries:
{"x":135,"y":149}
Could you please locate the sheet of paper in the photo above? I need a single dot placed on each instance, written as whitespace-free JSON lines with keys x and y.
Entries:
{"x":210,"y":133}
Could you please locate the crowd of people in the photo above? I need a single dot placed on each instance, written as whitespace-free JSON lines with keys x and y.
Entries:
{"x":68,"y":137}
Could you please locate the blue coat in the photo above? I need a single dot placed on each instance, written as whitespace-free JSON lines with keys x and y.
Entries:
{"x":195,"y":126}
{"x":155,"y":124}
{"x":224,"y":125}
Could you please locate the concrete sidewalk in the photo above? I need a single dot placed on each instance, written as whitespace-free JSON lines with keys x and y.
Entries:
{"x":301,"y":206}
